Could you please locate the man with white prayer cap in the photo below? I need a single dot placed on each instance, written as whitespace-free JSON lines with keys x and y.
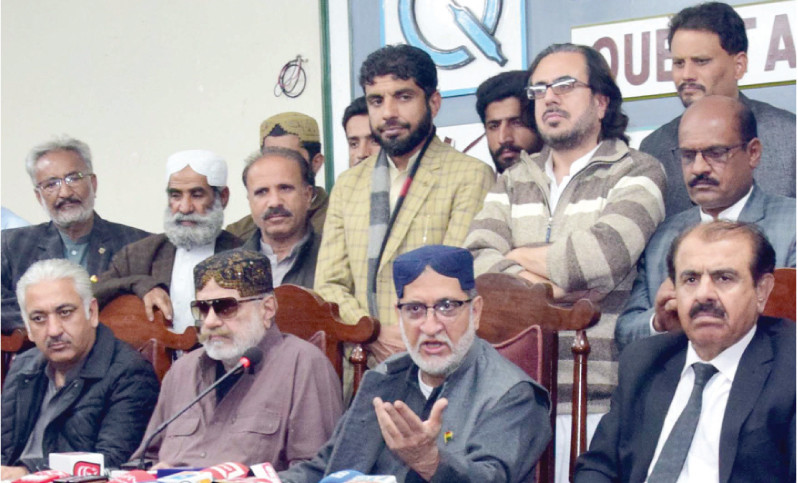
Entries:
{"x":159,"y":268}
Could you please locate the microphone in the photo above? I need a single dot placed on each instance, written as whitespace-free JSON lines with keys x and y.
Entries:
{"x":227,"y":471}
{"x":250,"y":359}
{"x":134,"y":476}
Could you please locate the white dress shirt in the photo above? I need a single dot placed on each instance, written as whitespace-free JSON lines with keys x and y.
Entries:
{"x":703,"y":458}
{"x":181,"y":289}
{"x":556,"y":189}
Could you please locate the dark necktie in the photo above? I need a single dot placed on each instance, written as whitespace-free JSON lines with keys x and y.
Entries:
{"x":674,"y":452}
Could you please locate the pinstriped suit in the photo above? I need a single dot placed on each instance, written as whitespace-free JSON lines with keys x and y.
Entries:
{"x":774,"y":215}
{"x":446,"y":193}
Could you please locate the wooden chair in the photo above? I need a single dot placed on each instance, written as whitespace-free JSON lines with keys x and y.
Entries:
{"x":522,"y":323}
{"x":12,"y":343}
{"x":781,"y":302}
{"x":125,"y":316}
{"x":303,"y":313}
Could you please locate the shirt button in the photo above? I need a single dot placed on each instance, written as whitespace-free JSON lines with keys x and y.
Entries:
{"x":74,"y":252}
{"x":203,"y":455}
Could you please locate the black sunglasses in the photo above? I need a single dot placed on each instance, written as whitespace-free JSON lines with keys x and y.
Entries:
{"x":224,"y":308}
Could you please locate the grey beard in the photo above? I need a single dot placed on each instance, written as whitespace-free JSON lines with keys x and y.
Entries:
{"x":66,"y":220}
{"x":207,"y":228}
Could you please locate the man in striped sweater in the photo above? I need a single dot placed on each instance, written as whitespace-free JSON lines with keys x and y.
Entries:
{"x":578,"y":214}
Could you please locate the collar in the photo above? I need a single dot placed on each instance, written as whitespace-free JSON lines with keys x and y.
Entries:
{"x":268,"y":251}
{"x":731,"y":213}
{"x":393,"y":171}
{"x":727,"y":361}
{"x":576,"y":166}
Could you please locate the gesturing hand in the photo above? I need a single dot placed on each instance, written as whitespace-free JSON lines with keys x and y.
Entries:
{"x":412,"y":439}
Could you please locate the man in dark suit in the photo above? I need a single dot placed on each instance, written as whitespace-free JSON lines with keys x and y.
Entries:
{"x":740,"y":426}
{"x":721,"y":182}
{"x":160,"y":268}
{"x":65,"y":185}
{"x":709,"y":44}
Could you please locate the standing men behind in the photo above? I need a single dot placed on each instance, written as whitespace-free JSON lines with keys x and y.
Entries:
{"x":279,"y":186}
{"x":717,"y":401}
{"x":361,"y":141}
{"x":509,"y":122}
{"x":280,"y":411}
{"x":450,"y":409}
{"x":297,"y":131}
{"x":578,"y":214}
{"x":708,"y":44}
{"x":159,"y":268}
{"x":417,"y":191}
{"x":80,"y":389}
{"x":65,"y":185}
{"x":719,"y":151}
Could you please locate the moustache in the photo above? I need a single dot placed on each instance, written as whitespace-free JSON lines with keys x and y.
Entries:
{"x":276,"y":211}
{"x":196,"y":218}
{"x":62,"y":201}
{"x":56,"y":340}
{"x":508,"y":148}
{"x":207,"y":334}
{"x":441,"y":338}
{"x":394,"y":123}
{"x":555,"y":110}
{"x":711,"y":308}
{"x":703,"y":178}
{"x":691,"y":85}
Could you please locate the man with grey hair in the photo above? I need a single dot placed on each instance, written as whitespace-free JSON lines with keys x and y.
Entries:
{"x":451,"y":408}
{"x":281,"y":410}
{"x":65,"y":185}
{"x":158,"y":268}
{"x":279,"y":187}
{"x":80,"y":389}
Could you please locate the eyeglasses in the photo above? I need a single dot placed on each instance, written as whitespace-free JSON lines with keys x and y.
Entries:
{"x":224,"y":308}
{"x":52,"y":185}
{"x":445,"y":310}
{"x":715,"y":155}
{"x":559,"y":87}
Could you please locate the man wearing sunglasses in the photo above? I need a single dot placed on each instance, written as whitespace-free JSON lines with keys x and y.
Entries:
{"x":719,"y":150}
{"x":159,"y":268}
{"x":709,"y":44}
{"x":576,"y":215}
{"x":65,"y":185}
{"x":280,"y":411}
{"x":451,"y":408}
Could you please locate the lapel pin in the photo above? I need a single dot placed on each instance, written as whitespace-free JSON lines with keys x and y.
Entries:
{"x":102,"y":250}
{"x":93,"y":279}
{"x":447,"y":436}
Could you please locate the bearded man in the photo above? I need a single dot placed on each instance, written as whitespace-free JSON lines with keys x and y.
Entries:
{"x":281,"y":410}
{"x":158,"y":268}
{"x":65,"y":185}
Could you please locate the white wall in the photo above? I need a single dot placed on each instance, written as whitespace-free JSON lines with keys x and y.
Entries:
{"x":140,"y":79}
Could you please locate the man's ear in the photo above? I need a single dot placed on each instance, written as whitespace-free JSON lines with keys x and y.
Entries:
{"x":269,"y":308}
{"x":476,"y":306}
{"x":225,"y":196}
{"x":763,"y":288}
{"x":94,"y":313}
{"x":435,"y":103}
{"x":740,"y":65}
{"x":317,"y":162}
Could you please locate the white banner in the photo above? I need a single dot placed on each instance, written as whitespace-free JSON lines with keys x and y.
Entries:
{"x":637,"y":50}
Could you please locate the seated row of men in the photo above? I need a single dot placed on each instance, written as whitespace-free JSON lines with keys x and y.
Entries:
{"x":577,"y":215}
{"x":449,"y":409}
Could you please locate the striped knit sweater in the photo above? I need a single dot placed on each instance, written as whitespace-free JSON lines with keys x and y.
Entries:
{"x":601,"y":224}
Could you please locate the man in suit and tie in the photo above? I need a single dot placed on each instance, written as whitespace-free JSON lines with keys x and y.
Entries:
{"x":159,"y":268}
{"x":65,"y":185}
{"x":417,"y":191}
{"x":719,"y":149}
{"x":715,"y":402}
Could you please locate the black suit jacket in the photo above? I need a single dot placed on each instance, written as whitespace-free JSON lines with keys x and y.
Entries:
{"x":757,"y":441}
{"x":22,"y":247}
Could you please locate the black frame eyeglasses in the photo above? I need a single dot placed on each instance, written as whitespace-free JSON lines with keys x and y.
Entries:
{"x":444,"y":310}
{"x":224,"y":308}
{"x":714,"y":155}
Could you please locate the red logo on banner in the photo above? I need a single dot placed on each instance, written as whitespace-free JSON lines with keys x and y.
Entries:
{"x":84,"y":468}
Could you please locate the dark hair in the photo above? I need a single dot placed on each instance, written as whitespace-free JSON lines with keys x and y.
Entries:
{"x":403,"y":61}
{"x":764,"y":257}
{"x":502,"y":86}
{"x":601,"y":82}
{"x":715,"y":17}
{"x":746,"y":122}
{"x":304,"y":165}
{"x":356,"y":108}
